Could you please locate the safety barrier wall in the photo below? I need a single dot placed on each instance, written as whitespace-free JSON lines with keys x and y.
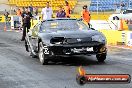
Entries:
{"x":115,"y":37}
{"x":2,"y":18}
{"x":117,"y":32}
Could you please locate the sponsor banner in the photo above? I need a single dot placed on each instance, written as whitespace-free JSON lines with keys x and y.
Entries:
{"x":104,"y":78}
{"x":83,"y":78}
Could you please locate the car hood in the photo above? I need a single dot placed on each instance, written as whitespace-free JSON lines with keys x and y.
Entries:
{"x":71,"y":34}
{"x":47,"y":36}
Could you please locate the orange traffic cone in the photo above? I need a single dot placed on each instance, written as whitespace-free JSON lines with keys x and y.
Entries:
{"x":5,"y":29}
{"x":121,"y":25}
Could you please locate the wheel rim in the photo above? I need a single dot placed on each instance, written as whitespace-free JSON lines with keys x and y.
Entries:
{"x":41,"y":54}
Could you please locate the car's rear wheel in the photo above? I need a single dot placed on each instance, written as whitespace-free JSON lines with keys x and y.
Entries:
{"x":42,"y":56}
{"x":101,"y":57}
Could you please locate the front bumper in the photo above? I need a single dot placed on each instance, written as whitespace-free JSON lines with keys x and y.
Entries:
{"x":76,"y":49}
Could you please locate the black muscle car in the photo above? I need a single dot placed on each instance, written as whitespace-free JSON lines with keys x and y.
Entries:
{"x":64,"y":37}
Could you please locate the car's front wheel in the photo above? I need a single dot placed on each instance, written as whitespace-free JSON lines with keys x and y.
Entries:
{"x":101,"y":57}
{"x":42,"y":56}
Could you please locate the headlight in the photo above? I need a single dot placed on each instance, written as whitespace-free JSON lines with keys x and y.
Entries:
{"x":98,"y":38}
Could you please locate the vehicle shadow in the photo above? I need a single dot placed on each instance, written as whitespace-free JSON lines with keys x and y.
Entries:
{"x":75,"y":61}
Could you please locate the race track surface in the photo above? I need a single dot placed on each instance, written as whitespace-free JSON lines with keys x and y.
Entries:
{"x":19,"y":70}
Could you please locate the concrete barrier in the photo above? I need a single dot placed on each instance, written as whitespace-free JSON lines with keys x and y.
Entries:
{"x":115,"y":37}
{"x":112,"y":36}
{"x":2,"y":18}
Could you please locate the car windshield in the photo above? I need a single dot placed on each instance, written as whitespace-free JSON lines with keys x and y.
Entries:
{"x":63,"y":25}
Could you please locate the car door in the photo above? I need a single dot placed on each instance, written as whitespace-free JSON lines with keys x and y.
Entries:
{"x":34,"y":37}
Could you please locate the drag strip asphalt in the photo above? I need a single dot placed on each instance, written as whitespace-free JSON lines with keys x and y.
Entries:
{"x":19,"y":70}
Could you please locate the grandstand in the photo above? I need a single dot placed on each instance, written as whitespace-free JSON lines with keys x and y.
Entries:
{"x":41,"y":3}
{"x":76,"y":5}
{"x":109,"y":5}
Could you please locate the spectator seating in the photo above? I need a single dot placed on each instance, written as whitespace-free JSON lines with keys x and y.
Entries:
{"x":109,"y":5}
{"x":42,"y":3}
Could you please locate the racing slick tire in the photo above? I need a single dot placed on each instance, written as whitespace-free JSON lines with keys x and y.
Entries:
{"x":42,"y":56}
{"x":101,"y":57}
